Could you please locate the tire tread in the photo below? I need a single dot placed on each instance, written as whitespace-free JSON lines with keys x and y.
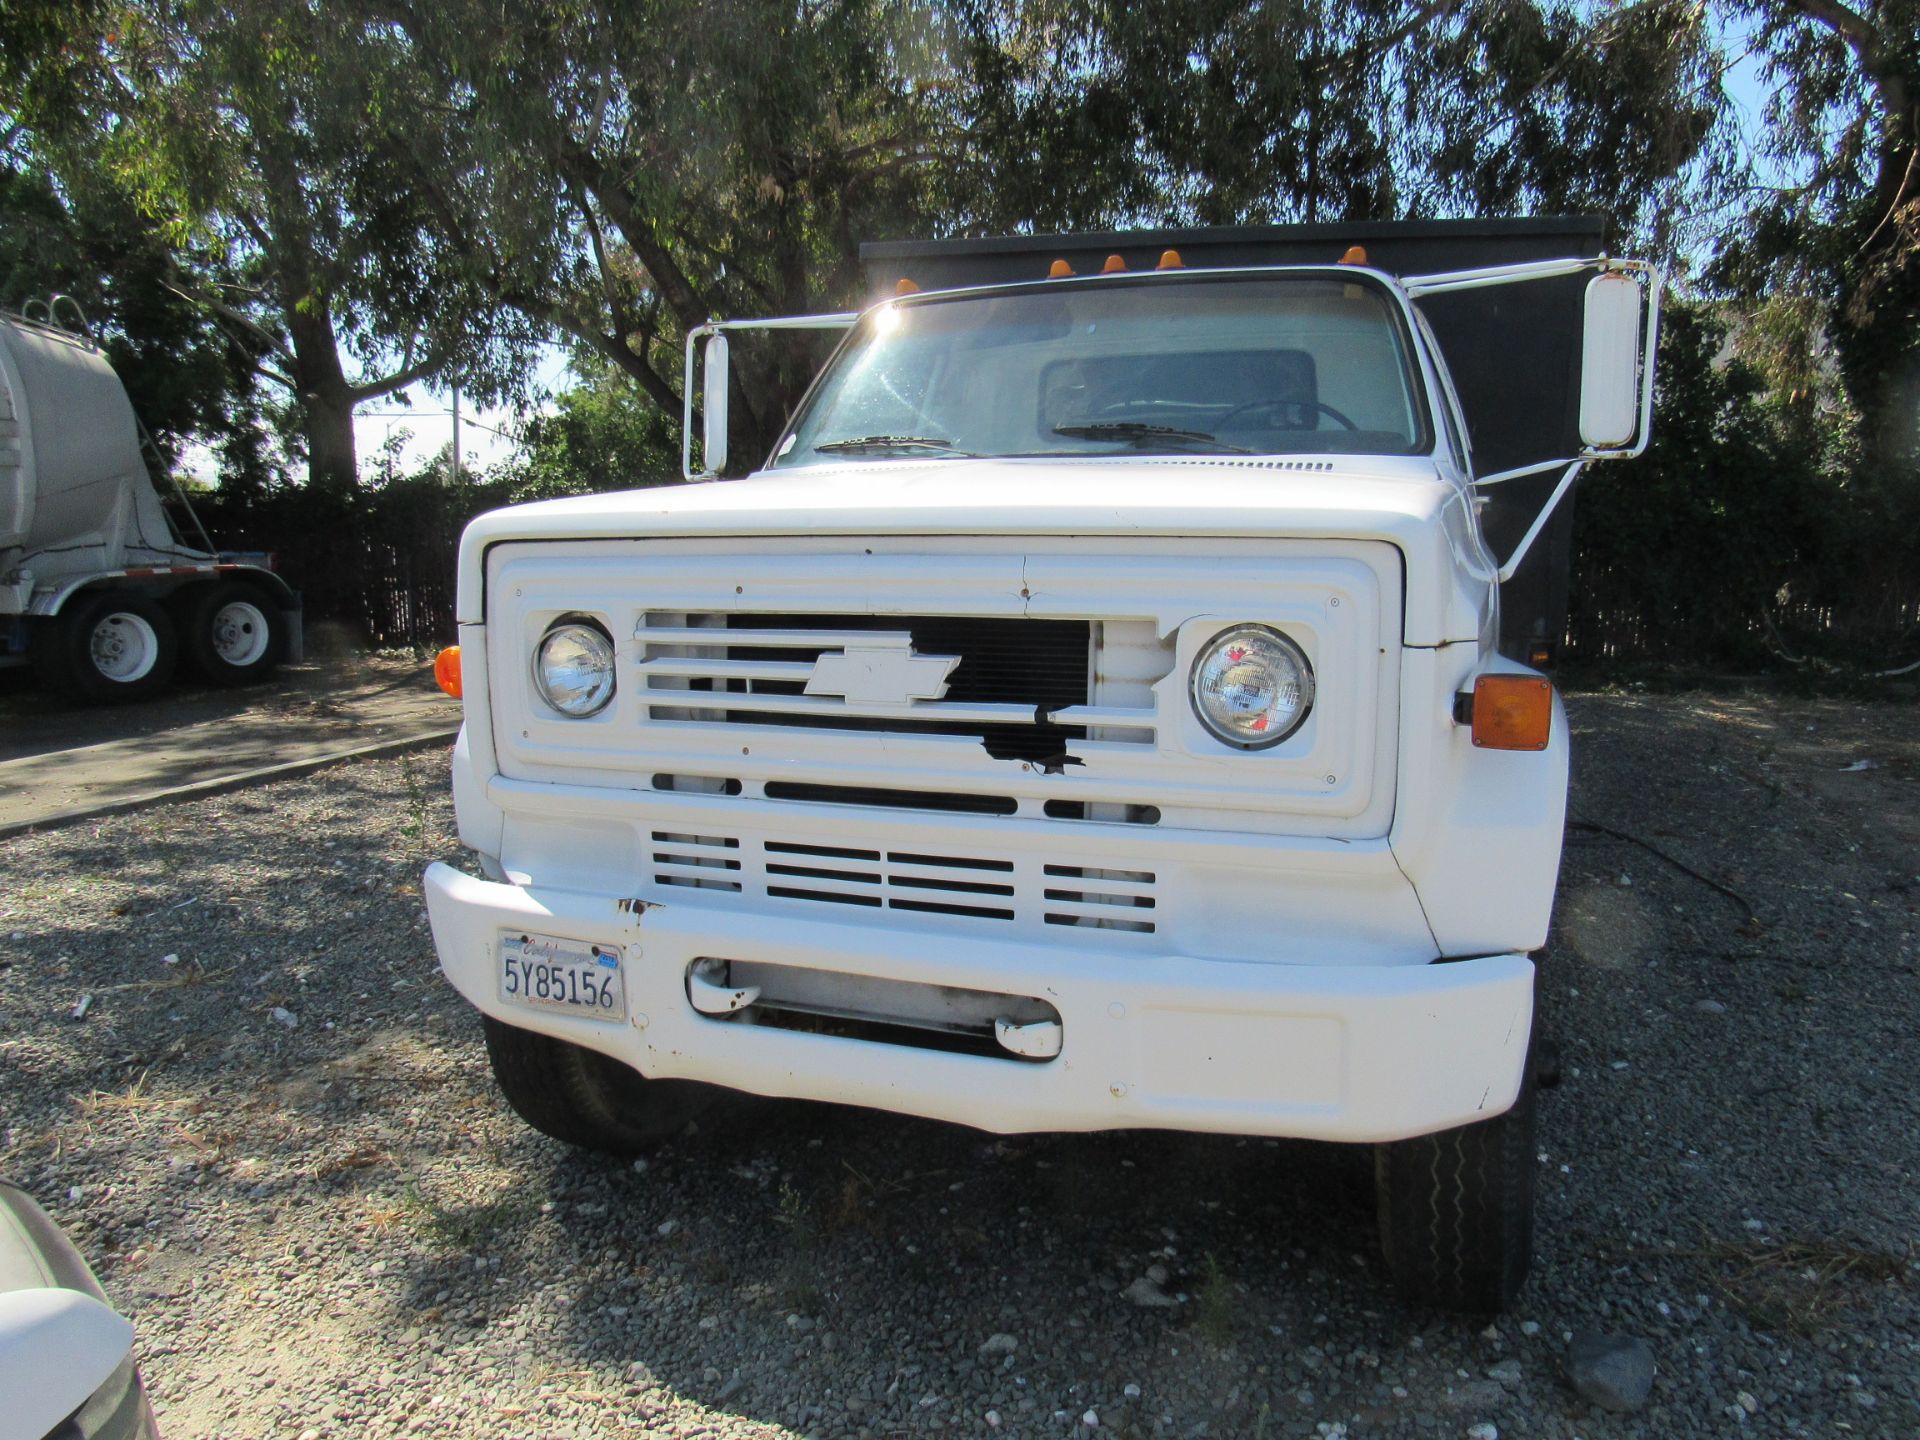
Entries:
{"x":583,"y":1098}
{"x":1456,"y":1210}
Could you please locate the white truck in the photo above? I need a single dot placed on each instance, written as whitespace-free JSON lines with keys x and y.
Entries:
{"x":97,"y":590}
{"x":1093,"y":714}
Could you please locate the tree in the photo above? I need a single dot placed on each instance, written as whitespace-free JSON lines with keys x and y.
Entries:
{"x":602,"y":434}
{"x":254,"y":135}
{"x":1094,"y":112}
{"x":624,"y":172}
{"x":184,"y":377}
{"x":1843,"y":131}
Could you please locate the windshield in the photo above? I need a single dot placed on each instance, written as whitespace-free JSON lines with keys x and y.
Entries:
{"x":1256,"y":365}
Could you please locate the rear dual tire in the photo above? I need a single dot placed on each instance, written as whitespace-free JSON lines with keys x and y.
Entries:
{"x":584,"y":1098}
{"x":107,"y":646}
{"x":231,"y":631}
{"x":114,"y":646}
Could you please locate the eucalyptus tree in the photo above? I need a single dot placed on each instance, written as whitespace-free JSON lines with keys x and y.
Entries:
{"x":1222,"y":111}
{"x":1838,"y":220}
{"x":623,"y":171}
{"x":251,"y":133}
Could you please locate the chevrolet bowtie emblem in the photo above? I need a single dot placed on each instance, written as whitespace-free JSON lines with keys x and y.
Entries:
{"x":881,"y":671}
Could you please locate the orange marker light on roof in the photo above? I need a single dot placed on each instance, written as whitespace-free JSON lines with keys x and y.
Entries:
{"x":1170,"y":260}
{"x":1356,"y":255}
{"x":1059,"y":270}
{"x":1113,"y":266}
{"x":1512,"y":712}
{"x":904,"y":286}
{"x":446,"y":670}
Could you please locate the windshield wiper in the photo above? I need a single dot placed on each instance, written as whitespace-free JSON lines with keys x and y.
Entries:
{"x":1140,"y":432}
{"x":887,"y":442}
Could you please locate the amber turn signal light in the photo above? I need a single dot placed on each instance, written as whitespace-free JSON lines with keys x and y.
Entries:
{"x":446,"y":670}
{"x":1512,"y":712}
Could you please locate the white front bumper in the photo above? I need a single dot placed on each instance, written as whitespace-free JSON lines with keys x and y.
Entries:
{"x":1333,"y":1052}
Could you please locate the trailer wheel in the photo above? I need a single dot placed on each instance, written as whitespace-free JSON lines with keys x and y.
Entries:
{"x":107,"y":646}
{"x":1456,"y":1210}
{"x":232,"y":632}
{"x":584,"y":1098}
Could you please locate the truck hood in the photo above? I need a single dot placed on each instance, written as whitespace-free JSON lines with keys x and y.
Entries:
{"x":1401,"y":500}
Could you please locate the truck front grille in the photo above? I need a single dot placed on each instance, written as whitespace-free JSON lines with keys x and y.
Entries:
{"x":1016,"y":686}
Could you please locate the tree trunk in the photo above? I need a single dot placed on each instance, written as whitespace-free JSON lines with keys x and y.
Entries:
{"x":333,"y":463}
{"x":326,"y":400}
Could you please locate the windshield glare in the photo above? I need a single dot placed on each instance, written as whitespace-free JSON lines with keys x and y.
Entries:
{"x":1251,"y":366}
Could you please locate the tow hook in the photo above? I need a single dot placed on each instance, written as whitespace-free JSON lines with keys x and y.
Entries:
{"x":1039,"y":1040}
{"x":710,"y":993}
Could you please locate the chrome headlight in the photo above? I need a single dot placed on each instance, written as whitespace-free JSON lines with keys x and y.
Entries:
{"x":573,"y":668}
{"x":1252,"y":686}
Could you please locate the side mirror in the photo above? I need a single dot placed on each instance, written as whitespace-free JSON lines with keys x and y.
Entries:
{"x":713,"y":392}
{"x":1610,"y":362}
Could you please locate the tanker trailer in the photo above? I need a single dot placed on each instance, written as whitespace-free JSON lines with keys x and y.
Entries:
{"x":96,"y":588}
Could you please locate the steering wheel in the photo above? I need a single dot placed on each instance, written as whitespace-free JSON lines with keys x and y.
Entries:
{"x":1296,"y":405}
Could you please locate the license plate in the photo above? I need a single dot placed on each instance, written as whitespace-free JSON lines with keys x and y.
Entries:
{"x":571,"y":975}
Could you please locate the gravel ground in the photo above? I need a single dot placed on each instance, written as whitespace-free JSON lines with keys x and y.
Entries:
{"x":273,"y":1131}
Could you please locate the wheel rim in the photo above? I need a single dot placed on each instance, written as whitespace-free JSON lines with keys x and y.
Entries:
{"x":123,"y":647}
{"x":239,"y":633}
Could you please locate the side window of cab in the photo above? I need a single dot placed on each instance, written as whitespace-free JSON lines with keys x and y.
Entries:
{"x":1452,"y":424}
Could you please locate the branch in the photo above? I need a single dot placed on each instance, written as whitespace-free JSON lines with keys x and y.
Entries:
{"x":734,"y":269}
{"x":1868,"y":48}
{"x":399,"y":380}
{"x":616,"y":310}
{"x":1596,"y":35}
{"x":611,"y":347}
{"x":1416,"y":22}
{"x":227,"y":312}
{"x":686,"y":302}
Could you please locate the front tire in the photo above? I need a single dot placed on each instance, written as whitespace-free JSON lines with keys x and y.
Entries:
{"x":107,"y":646}
{"x":584,"y":1098}
{"x":1456,"y":1210}
{"x":232,"y":632}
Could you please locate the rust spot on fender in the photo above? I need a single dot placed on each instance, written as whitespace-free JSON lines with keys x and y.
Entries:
{"x":635,"y":906}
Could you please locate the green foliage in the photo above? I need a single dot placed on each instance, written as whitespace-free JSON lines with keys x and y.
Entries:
{"x":601,"y":435}
{"x":1839,"y":222}
{"x":1093,"y":112}
{"x":1738,"y":522}
{"x":258,"y":141}
{"x":184,"y":377}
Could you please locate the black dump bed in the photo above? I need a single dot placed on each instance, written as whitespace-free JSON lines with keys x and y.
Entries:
{"x":1513,"y":350}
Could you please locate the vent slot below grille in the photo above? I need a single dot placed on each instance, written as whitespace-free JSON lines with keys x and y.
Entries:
{"x":898,"y":880}
{"x":699,"y":862}
{"x":1099,"y":899}
{"x":1118,"y":902}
